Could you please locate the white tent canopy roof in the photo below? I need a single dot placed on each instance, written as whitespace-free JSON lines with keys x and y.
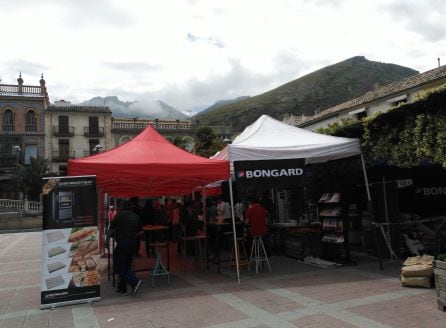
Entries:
{"x":269,"y":139}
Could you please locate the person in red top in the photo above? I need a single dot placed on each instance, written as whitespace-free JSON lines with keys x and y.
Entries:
{"x":257,"y":217}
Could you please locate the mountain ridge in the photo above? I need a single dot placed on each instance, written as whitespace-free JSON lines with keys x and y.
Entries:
{"x":316,"y":91}
{"x":149,"y":110}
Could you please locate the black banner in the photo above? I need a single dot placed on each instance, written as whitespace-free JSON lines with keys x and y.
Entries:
{"x":281,"y":174}
{"x":70,"y":249}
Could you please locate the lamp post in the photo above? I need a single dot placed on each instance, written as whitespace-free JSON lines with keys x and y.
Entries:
{"x":98,"y":148}
{"x":16,"y":149}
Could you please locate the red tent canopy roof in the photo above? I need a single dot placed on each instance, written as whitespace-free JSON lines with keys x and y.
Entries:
{"x":149,"y":165}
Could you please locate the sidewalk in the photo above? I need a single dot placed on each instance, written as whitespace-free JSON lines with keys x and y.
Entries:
{"x":293,"y":295}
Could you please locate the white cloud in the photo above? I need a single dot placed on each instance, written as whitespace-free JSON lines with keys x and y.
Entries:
{"x":191,"y":53}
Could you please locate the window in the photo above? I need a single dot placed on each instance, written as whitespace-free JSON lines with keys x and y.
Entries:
{"x":30,"y":121}
{"x":63,"y":170}
{"x":8,"y":121}
{"x":397,"y":100}
{"x":92,"y":143}
{"x":63,"y":125}
{"x":30,"y":151}
{"x":124,"y":140}
{"x":64,"y":147}
{"x":359,"y":113}
{"x":93,"y":125}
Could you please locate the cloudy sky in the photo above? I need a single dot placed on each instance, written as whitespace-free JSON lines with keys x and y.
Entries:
{"x":191,"y":53}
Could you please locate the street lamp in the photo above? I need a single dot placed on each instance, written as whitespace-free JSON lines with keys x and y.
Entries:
{"x":16,"y":149}
{"x":98,"y":148}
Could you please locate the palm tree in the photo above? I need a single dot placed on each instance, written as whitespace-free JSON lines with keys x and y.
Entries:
{"x":30,"y":177}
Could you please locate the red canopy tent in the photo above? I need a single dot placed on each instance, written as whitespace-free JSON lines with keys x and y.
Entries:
{"x":149,"y":165}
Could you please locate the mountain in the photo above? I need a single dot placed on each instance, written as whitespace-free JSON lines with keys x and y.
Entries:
{"x":316,"y":91}
{"x":117,"y":106}
{"x":224,"y":102}
{"x":144,"y":109}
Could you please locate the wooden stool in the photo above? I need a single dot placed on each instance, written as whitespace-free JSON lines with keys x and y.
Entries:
{"x":258,"y":254}
{"x":159,"y":269}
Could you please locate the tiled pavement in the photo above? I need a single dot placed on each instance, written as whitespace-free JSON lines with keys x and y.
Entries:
{"x":293,"y":295}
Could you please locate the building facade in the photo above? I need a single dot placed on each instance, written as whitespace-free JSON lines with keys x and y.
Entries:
{"x":30,"y":126}
{"x":379,"y":100}
{"x":73,"y":131}
{"x":124,"y":129}
{"x":22,"y":128}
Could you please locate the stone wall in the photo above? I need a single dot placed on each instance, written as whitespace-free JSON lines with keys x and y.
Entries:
{"x":14,"y":221}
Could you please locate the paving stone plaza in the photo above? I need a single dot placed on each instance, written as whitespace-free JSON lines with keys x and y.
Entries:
{"x":293,"y":295}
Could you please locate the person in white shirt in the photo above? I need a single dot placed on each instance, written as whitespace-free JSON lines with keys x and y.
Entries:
{"x":239,"y":211}
{"x":223,"y":209}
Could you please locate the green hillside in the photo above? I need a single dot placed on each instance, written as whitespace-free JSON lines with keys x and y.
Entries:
{"x":319,"y":90}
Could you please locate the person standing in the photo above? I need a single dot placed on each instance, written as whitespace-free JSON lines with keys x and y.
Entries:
{"x":111,"y":214}
{"x":211,"y":210}
{"x":257,"y":217}
{"x":148,"y":217}
{"x":136,"y":208}
{"x":223,"y":210}
{"x":239,"y":211}
{"x":127,"y":228}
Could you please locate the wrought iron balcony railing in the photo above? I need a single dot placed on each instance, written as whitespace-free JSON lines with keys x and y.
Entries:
{"x":63,"y":131}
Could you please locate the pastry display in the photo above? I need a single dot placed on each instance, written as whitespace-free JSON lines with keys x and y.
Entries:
{"x":85,"y":278}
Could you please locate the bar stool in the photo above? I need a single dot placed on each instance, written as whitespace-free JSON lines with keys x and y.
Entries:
{"x":199,"y":243}
{"x":159,"y":269}
{"x":258,"y":254}
{"x":241,"y":246}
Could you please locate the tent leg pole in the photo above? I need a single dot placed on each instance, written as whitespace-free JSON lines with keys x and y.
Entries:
{"x":366,"y":180}
{"x":370,"y":209}
{"x":231,"y":196}
{"x":101,"y":223}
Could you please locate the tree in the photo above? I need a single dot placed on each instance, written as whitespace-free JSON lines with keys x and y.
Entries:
{"x":30,"y":177}
{"x":206,"y":142}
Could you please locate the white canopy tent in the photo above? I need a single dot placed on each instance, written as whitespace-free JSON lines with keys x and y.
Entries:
{"x":270,"y":139}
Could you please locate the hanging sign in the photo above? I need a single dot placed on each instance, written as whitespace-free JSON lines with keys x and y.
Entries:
{"x":282,"y":174}
{"x":70,"y":250}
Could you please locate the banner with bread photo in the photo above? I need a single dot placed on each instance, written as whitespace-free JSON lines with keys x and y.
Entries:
{"x":70,"y":242}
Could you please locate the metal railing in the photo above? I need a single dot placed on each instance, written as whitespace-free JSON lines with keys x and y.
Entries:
{"x":159,"y":125}
{"x":93,"y":131}
{"x":63,"y":132}
{"x":8,"y":128}
{"x":30,"y":128}
{"x":59,"y":155}
{"x":26,"y":206}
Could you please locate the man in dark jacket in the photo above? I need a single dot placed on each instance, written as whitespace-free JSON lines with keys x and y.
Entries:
{"x":127,"y":230}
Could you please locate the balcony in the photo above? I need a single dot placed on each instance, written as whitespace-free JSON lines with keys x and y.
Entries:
{"x":8,"y":128}
{"x":7,"y":159}
{"x":31,"y":128}
{"x":93,"y":132}
{"x":63,"y":131}
{"x":90,"y":152}
{"x":60,"y":155}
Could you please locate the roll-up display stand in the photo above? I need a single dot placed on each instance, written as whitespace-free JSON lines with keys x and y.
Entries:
{"x":70,"y":248}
